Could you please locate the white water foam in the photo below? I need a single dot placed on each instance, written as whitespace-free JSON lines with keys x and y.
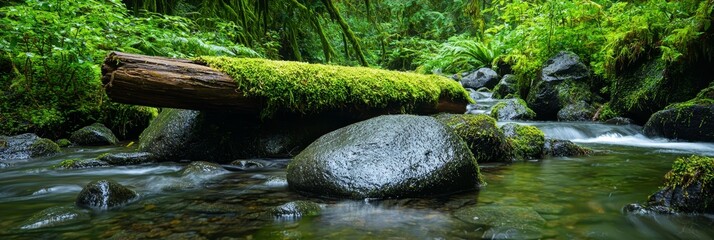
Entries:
{"x":639,"y":140}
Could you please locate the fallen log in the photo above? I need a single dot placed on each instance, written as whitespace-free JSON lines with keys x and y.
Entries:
{"x":247,"y":85}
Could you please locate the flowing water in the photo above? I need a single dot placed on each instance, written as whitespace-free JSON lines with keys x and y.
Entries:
{"x":578,"y":197}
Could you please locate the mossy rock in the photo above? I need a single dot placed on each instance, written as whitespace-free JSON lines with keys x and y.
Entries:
{"x":690,"y":121}
{"x":105,"y":195}
{"x":527,"y":141}
{"x":507,"y":86}
{"x":512,"y":109}
{"x":564,"y":148}
{"x":123,"y":159}
{"x":201,"y":168}
{"x":481,"y":135}
{"x":688,"y":188}
{"x":63,"y":142}
{"x":94,"y":135}
{"x":296,"y":210}
{"x":25,"y":146}
{"x":76,"y":163}
{"x":579,"y":111}
{"x":548,"y":98}
{"x":305,"y":88}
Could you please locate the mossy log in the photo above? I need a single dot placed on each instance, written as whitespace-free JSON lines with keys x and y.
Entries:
{"x":266,"y":87}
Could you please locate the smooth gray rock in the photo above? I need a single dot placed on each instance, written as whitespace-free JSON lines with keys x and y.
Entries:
{"x":104,"y":195}
{"x":93,"y":135}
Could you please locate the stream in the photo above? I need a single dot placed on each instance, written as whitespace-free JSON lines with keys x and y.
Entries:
{"x":578,"y":197}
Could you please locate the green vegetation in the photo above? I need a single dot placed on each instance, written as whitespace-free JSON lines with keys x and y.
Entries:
{"x":527,"y":141}
{"x":481,"y":135}
{"x":311,"y":88}
{"x":686,"y":171}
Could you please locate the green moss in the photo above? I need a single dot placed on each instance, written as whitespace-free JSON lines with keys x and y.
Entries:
{"x":43,"y":147}
{"x":686,"y":171}
{"x":66,"y":164}
{"x":311,"y":88}
{"x":63,"y":142}
{"x":607,"y":113}
{"x":527,"y":141}
{"x":480,"y":134}
{"x":529,"y":113}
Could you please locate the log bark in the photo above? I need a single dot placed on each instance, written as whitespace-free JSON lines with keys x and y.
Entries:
{"x":175,"y":83}
{"x":179,"y":83}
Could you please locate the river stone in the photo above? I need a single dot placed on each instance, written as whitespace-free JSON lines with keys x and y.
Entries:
{"x":55,"y":216}
{"x":504,"y":222}
{"x":564,"y":65}
{"x":480,"y":134}
{"x":527,"y":141}
{"x":563,"y":148}
{"x":63,"y":142}
{"x":512,"y":109}
{"x":94,"y":135}
{"x":689,"y":122}
{"x":247,"y":164}
{"x":25,"y":146}
{"x":618,"y":121}
{"x":132,"y":158}
{"x":80,"y":164}
{"x":201,"y":168}
{"x":483,"y":77}
{"x":391,"y":156}
{"x":580,"y":111}
{"x":507,"y":86}
{"x":296,"y":210}
{"x":105,"y":194}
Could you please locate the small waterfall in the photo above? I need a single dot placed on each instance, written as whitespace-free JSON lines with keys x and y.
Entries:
{"x":484,"y":102}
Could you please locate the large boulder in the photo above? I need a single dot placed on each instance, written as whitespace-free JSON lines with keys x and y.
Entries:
{"x":105,"y":194}
{"x":222,"y":137}
{"x":690,"y":121}
{"x":479,"y":131}
{"x":483,"y":77}
{"x":527,"y":141}
{"x":26,"y":146}
{"x":93,"y":135}
{"x":512,"y":109}
{"x":563,"y":82}
{"x":688,"y":188}
{"x":389,"y":156}
{"x":507,"y":86}
{"x":579,"y":111}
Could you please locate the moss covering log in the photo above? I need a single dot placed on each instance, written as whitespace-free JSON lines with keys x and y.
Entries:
{"x":249,"y":85}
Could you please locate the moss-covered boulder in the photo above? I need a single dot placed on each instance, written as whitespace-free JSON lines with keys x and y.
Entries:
{"x":76,"y":163}
{"x":104,"y":195}
{"x":579,"y":111}
{"x":690,"y":121}
{"x":296,"y":210}
{"x":563,"y":148}
{"x":63,"y":142}
{"x":94,"y":135}
{"x":55,"y":217}
{"x":391,"y":156}
{"x":483,"y":137}
{"x":130,"y":158}
{"x":527,"y":141}
{"x":222,"y":137}
{"x":507,"y":86}
{"x":688,"y":188}
{"x":26,"y":146}
{"x":512,"y":109}
{"x":504,"y":222}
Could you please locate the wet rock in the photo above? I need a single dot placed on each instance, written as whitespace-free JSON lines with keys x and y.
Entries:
{"x":507,"y":86}
{"x":201,"y":168}
{"x":80,"y":164}
{"x":580,"y":111}
{"x":483,"y":77}
{"x":94,"y":135}
{"x":4,"y":165}
{"x":296,"y":210}
{"x":563,"y":148}
{"x":55,"y":216}
{"x":688,"y":121}
{"x":688,"y":188}
{"x":123,"y":159}
{"x":247,"y":164}
{"x":527,"y":141}
{"x":389,"y":156}
{"x":63,"y":142}
{"x":564,"y":66}
{"x":480,"y":134}
{"x":504,"y":222}
{"x":512,"y":109}
{"x":104,"y":195}
{"x":619,"y":121}
{"x":25,"y":146}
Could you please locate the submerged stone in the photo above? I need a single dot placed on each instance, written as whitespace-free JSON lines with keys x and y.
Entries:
{"x":104,"y":195}
{"x":94,"y":135}
{"x":480,"y":134}
{"x":504,"y":222}
{"x":563,"y":148}
{"x":80,"y":164}
{"x":296,"y":210}
{"x":391,"y":156}
{"x":25,"y":146}
{"x":54,"y":217}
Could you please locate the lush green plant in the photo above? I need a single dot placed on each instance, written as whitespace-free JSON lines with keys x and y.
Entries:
{"x":460,"y":53}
